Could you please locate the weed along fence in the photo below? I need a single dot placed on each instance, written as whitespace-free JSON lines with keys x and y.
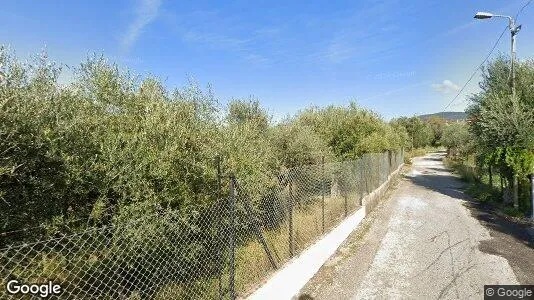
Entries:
{"x":221,"y":250}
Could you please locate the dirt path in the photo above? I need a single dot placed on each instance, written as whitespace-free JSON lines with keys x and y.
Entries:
{"x":423,"y":242}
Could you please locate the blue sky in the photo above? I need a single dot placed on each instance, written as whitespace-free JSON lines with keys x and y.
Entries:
{"x":395,"y":57}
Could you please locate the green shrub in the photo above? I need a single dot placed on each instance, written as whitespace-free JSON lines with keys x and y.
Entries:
{"x":512,"y":211}
{"x":134,"y":162}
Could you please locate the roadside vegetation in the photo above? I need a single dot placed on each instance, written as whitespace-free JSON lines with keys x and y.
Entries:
{"x":112,"y":146}
{"x":110,"y":159}
{"x":424,"y":136}
{"x":107,"y":161}
{"x":111,"y":143}
{"x":494,"y":150}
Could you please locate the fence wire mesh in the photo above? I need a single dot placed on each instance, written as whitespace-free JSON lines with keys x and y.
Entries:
{"x":220,"y":251}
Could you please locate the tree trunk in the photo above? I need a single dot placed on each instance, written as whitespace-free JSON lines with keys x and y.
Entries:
{"x":490,"y":176}
{"x":532,"y":195}
{"x":515,"y":191}
{"x":502,"y":184}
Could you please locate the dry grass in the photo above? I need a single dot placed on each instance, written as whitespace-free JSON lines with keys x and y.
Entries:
{"x":252,"y":264}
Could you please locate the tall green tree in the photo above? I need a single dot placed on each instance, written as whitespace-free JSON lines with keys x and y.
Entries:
{"x":420,"y":132}
{"x":456,"y":138}
{"x":437,"y":124}
{"x":503,"y":123}
{"x":111,"y":146}
{"x":352,"y":131}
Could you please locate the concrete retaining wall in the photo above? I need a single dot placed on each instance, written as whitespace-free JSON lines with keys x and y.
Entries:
{"x":291,"y":278}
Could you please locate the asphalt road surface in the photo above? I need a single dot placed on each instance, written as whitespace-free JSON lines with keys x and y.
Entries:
{"x":425,"y":241}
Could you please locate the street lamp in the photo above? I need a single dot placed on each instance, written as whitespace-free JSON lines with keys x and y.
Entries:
{"x":483,"y":15}
{"x":514,"y":30}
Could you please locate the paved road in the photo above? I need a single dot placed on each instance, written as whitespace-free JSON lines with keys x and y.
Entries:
{"x":423,"y":243}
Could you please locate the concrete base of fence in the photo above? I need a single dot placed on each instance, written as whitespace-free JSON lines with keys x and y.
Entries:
{"x":291,"y":278}
{"x":370,"y":201}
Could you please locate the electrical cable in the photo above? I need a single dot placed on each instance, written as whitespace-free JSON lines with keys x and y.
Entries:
{"x":476,"y":69}
{"x":487,"y":57}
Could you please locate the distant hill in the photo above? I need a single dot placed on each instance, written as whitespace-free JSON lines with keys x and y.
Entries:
{"x":447,"y":115}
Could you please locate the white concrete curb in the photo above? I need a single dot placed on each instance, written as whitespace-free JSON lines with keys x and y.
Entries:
{"x":288,"y":281}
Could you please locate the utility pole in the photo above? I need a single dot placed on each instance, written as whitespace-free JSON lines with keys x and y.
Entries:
{"x":514,"y":30}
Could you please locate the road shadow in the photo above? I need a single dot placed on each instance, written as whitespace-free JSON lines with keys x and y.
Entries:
{"x":438,"y":169}
{"x":431,"y":158}
{"x":486,"y":214}
{"x":450,"y":185}
{"x":510,"y":240}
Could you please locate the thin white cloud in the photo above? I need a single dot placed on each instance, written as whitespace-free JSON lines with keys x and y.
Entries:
{"x":460,"y":28}
{"x":446,"y":87}
{"x":146,"y":12}
{"x":217,"y":32}
{"x":339,"y":52}
{"x":391,"y":92}
{"x":216,"y":40}
{"x":268,"y":32}
{"x":257,"y":59}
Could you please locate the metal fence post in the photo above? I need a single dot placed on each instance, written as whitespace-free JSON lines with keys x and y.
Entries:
{"x":502,"y":184}
{"x":367,"y":175}
{"x":532,"y":196}
{"x":291,"y":252}
{"x":361,"y":180}
{"x":346,"y":208}
{"x":254,"y":226}
{"x":219,"y":225}
{"x":322,"y":189}
{"x":232,"y":237}
{"x":390,"y":154}
{"x":377,"y":184}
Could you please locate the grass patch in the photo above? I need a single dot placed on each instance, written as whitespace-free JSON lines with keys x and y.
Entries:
{"x":480,"y":188}
{"x":512,"y":211}
{"x":252,"y":264}
{"x":465,"y":170}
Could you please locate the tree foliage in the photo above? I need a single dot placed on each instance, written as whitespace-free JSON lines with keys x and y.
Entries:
{"x":456,"y":138}
{"x":502,"y":120}
{"x":352,"y":131}
{"x":136,"y":161}
{"x":502,"y":123}
{"x":112,"y":146}
{"x":420,"y":132}
{"x":437,"y":124}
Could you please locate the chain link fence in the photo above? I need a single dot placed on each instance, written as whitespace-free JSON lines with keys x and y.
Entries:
{"x":224,"y":250}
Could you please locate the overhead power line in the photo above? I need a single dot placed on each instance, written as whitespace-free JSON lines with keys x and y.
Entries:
{"x":522,"y":8}
{"x":477,"y":68}
{"x":487,"y":56}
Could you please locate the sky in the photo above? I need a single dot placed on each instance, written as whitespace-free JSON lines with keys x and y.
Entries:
{"x":398,"y":58}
